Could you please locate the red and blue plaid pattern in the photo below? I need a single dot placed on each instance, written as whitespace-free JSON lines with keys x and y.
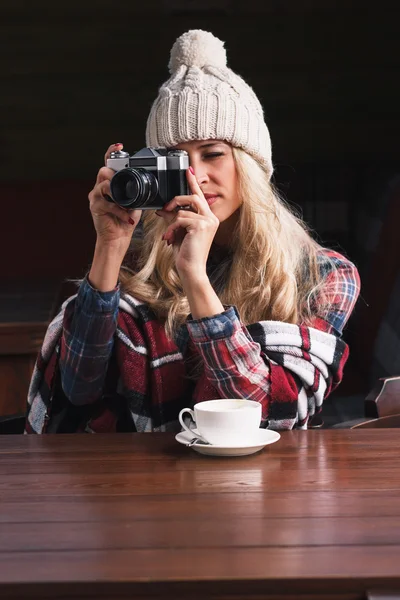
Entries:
{"x":120,"y":371}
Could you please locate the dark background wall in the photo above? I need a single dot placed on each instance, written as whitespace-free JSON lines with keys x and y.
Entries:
{"x":81,"y":75}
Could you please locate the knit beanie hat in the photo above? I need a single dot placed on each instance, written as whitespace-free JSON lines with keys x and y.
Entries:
{"x":204,"y":99}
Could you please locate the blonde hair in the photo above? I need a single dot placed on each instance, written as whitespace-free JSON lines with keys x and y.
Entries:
{"x":273,"y":274}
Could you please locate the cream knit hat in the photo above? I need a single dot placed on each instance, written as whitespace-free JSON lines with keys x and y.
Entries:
{"x":204,"y":99}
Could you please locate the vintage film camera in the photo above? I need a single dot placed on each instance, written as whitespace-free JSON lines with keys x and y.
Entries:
{"x":148,"y":179}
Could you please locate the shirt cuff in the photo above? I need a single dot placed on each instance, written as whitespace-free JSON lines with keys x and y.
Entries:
{"x":217,"y":327}
{"x":94,"y":301}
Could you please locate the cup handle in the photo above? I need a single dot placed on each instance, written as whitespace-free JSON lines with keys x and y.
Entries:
{"x":184,"y":410}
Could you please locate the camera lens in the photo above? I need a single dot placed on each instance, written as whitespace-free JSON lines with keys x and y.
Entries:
{"x":133,"y":188}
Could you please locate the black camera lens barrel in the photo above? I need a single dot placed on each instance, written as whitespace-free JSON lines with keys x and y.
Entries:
{"x":133,"y":188}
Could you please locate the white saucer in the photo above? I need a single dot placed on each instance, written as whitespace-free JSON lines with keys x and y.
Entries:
{"x":261,"y":439}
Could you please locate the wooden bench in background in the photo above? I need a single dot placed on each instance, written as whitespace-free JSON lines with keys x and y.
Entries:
{"x":24,"y":317}
{"x":31,"y":276}
{"x":19,"y":345}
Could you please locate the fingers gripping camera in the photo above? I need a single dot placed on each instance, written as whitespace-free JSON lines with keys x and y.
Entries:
{"x":148,"y":179}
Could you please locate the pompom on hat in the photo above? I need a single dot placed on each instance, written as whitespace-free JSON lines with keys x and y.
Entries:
{"x":204,"y":99}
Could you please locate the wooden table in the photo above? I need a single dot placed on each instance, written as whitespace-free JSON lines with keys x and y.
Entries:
{"x":315,"y":515}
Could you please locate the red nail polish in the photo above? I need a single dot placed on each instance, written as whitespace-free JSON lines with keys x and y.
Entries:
{"x":131,"y":221}
{"x":118,"y":144}
{"x":191,"y":170}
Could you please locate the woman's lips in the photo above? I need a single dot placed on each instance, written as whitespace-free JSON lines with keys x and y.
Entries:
{"x":211,"y":199}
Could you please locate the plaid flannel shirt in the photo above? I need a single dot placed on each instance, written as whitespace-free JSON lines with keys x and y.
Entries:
{"x":222,"y":341}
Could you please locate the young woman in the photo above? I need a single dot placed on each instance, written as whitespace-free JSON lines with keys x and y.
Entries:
{"x":229,"y":298}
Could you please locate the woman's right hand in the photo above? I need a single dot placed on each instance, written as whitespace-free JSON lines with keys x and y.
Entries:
{"x":114,"y":225}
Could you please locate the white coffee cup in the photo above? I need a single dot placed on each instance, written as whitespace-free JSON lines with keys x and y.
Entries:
{"x":226,"y":422}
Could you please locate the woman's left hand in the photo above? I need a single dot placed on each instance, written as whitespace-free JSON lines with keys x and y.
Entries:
{"x":191,"y":232}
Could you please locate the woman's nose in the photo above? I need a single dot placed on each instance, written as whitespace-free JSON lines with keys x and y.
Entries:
{"x":201,"y":176}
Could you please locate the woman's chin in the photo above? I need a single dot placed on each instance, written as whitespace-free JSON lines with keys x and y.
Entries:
{"x":223,"y":215}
